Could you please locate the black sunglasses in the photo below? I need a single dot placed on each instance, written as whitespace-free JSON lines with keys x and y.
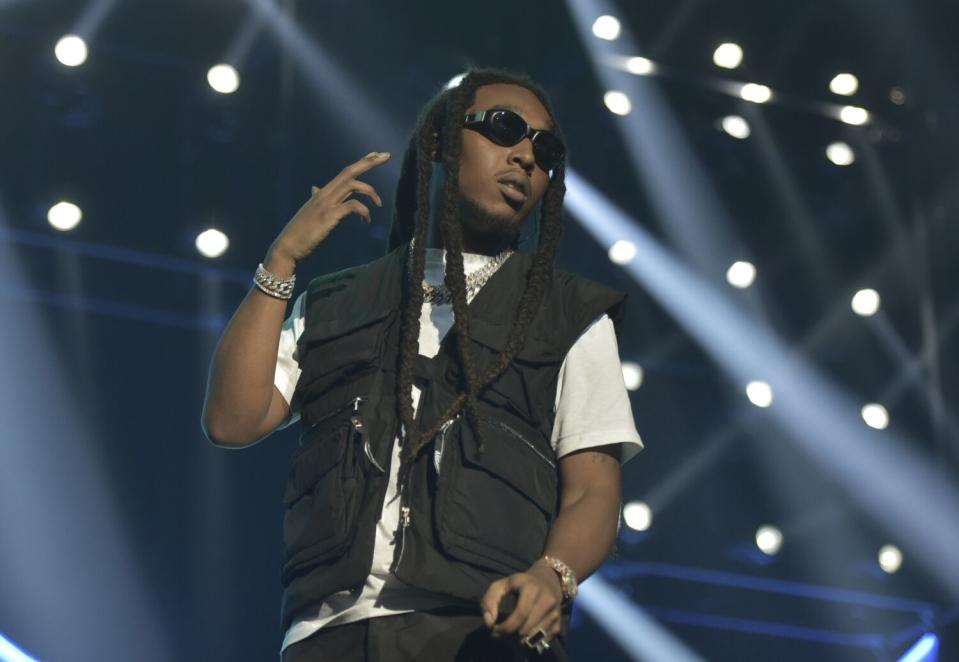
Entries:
{"x":504,"y":127}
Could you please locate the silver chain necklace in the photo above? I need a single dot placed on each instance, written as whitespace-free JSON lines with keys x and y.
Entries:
{"x":440,"y":295}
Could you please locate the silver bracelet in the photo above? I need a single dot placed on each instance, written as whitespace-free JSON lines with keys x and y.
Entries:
{"x":278,"y":288}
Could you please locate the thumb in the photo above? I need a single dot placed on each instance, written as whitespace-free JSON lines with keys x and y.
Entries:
{"x":491,"y":603}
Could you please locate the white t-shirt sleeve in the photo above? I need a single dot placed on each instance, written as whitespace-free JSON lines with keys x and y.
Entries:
{"x":592,"y":404}
{"x":287,"y":362}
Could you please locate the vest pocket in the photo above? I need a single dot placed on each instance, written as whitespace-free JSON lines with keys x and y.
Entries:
{"x":494,"y":511}
{"x":321,"y":499}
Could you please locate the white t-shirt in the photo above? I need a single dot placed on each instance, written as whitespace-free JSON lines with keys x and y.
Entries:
{"x":591,"y":406}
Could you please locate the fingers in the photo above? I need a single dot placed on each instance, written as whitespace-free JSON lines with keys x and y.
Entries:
{"x":542,"y":615}
{"x":356,"y":186}
{"x":551,"y":624}
{"x":490,"y":601}
{"x":529,"y":594}
{"x":357,"y":207}
{"x":365,"y":164}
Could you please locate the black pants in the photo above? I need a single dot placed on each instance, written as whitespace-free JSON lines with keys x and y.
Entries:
{"x":446,"y":635}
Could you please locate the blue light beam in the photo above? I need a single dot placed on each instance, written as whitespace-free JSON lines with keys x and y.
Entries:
{"x":899,"y":489}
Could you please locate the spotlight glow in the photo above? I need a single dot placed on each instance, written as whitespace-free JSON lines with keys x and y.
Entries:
{"x":223,"y":78}
{"x":10,"y":653}
{"x":769,"y":540}
{"x":736,"y":126}
{"x":71,"y":50}
{"x":617,"y":102}
{"x":455,"y":81}
{"x":854,"y":115}
{"x":759,"y":393}
{"x":756,"y":93}
{"x":844,"y":84}
{"x":728,"y":55}
{"x":741,"y":274}
{"x":622,"y":252}
{"x":632,"y":375}
{"x":890,"y":558}
{"x":640,"y":66}
{"x":64,"y":216}
{"x":212,"y":243}
{"x":638,"y":515}
{"x":866,"y":302}
{"x":840,"y":154}
{"x":606,"y":27}
{"x":876,"y":416}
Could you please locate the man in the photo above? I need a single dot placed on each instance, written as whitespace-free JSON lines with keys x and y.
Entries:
{"x":437,"y":472}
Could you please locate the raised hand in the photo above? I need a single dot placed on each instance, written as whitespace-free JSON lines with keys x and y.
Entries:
{"x":326,"y":207}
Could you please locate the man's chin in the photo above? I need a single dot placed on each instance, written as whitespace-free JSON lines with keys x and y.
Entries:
{"x":487,"y":225}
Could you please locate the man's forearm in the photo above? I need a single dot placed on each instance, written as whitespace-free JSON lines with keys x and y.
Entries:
{"x":585,"y":530}
{"x":240,"y":384}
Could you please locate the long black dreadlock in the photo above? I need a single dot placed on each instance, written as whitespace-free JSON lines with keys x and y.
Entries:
{"x":439,"y":129}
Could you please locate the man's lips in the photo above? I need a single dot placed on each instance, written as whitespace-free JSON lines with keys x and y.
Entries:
{"x":513,"y":192}
{"x":515,"y":185}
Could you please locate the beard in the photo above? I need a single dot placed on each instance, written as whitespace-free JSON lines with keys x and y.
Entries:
{"x":499,"y":230}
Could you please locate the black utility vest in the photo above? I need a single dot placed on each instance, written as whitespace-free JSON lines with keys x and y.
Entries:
{"x":482,"y":517}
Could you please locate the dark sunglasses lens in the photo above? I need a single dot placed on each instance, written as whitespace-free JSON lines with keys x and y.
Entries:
{"x":548,"y":149}
{"x":507,"y":128}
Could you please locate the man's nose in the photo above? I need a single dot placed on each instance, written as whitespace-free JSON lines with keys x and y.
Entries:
{"x":522,"y":155}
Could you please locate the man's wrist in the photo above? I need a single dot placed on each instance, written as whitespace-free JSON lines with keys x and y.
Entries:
{"x":279,"y":264}
{"x":542,"y":569}
{"x":564,"y":575}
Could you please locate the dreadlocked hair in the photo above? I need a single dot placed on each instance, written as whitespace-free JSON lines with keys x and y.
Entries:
{"x":439,"y":130}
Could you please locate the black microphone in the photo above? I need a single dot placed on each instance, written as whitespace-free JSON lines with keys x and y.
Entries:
{"x":507,"y":605}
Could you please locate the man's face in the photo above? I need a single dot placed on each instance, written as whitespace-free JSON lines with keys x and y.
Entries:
{"x":488,"y":206}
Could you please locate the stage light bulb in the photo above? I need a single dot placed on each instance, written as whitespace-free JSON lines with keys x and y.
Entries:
{"x":606,"y":27}
{"x":728,"y":55}
{"x":212,"y":243}
{"x":736,"y":126}
{"x":840,"y":154}
{"x":617,"y":102}
{"x":890,"y":558}
{"x":640,"y":66}
{"x":759,"y":393}
{"x":854,"y":115}
{"x":632,"y":375}
{"x":769,"y":540}
{"x":755,"y":93}
{"x":622,"y":252}
{"x":876,"y":416}
{"x":741,"y":274}
{"x":844,"y":84}
{"x":866,"y":302}
{"x":638,"y":515}
{"x":64,"y":216}
{"x":71,"y":50}
{"x":223,"y":78}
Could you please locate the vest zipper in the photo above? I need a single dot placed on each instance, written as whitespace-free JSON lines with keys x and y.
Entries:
{"x":442,"y":444}
{"x":354,"y":402}
{"x":509,"y":429}
{"x":405,"y":519}
{"x":357,"y":422}
{"x":405,"y":513}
